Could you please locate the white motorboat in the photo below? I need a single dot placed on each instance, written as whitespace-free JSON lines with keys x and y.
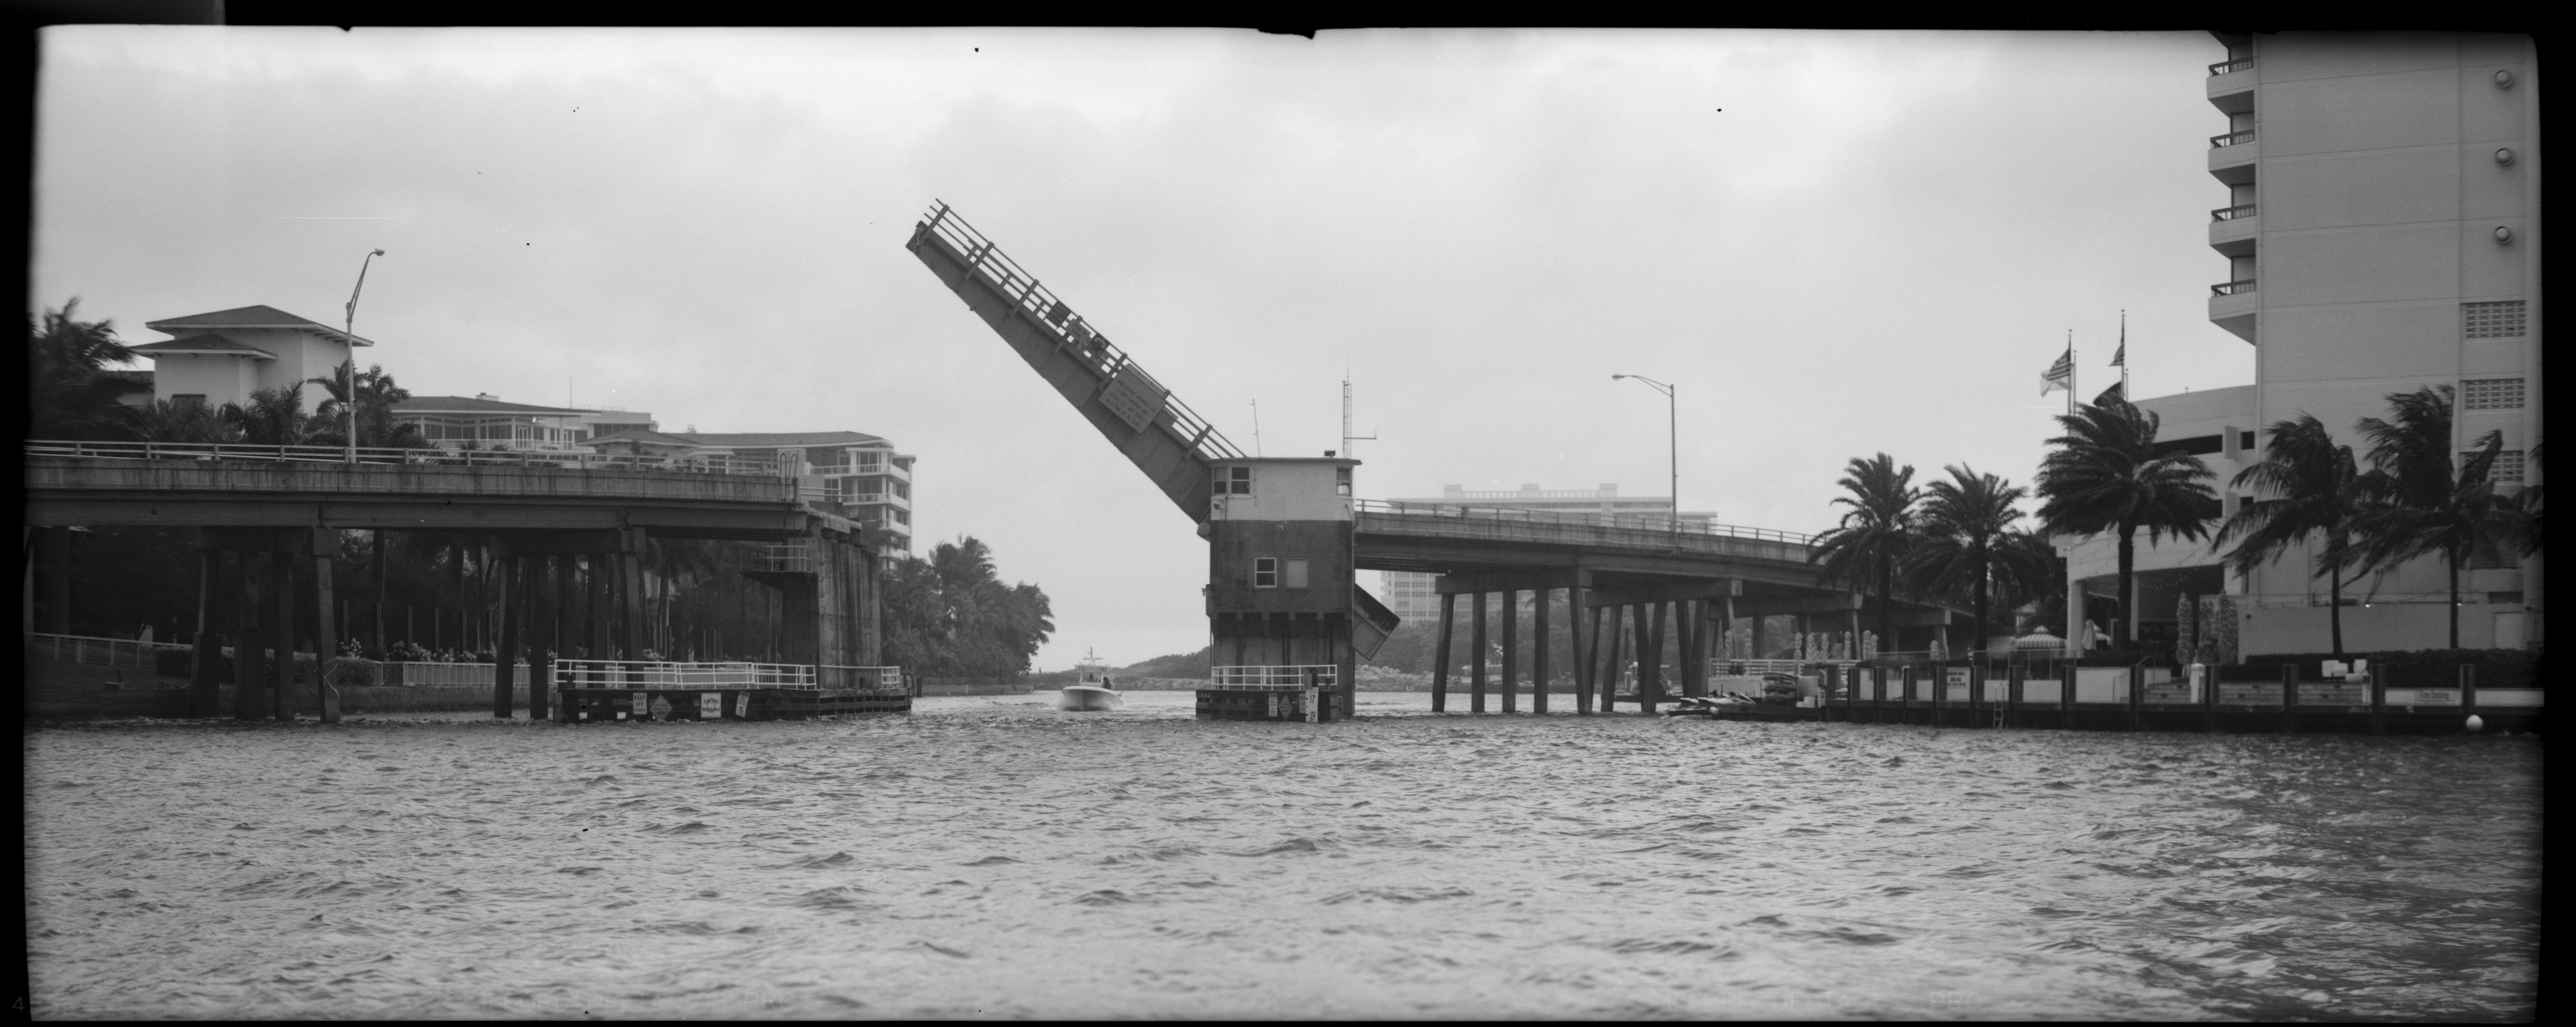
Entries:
{"x":1091,"y":690}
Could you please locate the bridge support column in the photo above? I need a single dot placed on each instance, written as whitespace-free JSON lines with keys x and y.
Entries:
{"x":1761,"y":638}
{"x":1694,"y":638}
{"x":205,"y":677}
{"x":326,"y":642}
{"x":1664,"y":613}
{"x":281,"y":673}
{"x":1616,"y":630}
{"x":539,"y":636}
{"x":505,"y":656}
{"x":1584,"y":627}
{"x":595,"y":606}
{"x":1539,"y":653}
{"x":1511,"y":648}
{"x":1476,"y":639}
{"x":250,"y":670}
{"x":1440,"y":654}
{"x":631,"y":574}
{"x":58,"y":585}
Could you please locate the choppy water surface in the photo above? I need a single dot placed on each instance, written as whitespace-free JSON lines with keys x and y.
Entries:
{"x":992,"y":857}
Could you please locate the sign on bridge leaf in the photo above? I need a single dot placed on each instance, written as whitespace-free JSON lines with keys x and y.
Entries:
{"x":1135,"y":398}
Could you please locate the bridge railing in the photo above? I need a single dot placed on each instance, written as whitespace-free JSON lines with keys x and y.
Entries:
{"x":1277,"y":676}
{"x":113,"y":652}
{"x":1640,"y":522}
{"x":432,"y":457}
{"x":1075,"y":334}
{"x":880,"y":680}
{"x":728,"y":674}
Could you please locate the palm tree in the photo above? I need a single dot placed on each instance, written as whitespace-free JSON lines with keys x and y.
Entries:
{"x":171,"y":420}
{"x":1874,"y":535}
{"x":2026,"y":568}
{"x":377,"y":395}
{"x":2108,"y":474}
{"x":274,"y":417}
{"x":2417,"y":501}
{"x":1959,"y":548}
{"x":2315,"y":489}
{"x":70,"y":395}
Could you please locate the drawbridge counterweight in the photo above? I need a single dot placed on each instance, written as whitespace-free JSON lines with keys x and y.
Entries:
{"x":1158,"y":433}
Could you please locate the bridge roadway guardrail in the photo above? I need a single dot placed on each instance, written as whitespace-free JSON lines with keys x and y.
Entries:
{"x":729,"y":465}
{"x":1504,"y":524}
{"x":729,"y":674}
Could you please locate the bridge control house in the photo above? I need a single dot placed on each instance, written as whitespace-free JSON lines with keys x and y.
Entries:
{"x":1287,"y":620}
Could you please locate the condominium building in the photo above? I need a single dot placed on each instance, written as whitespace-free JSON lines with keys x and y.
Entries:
{"x":2381,"y":232}
{"x":860,"y":475}
{"x":1414,"y":596}
{"x":224,"y":356}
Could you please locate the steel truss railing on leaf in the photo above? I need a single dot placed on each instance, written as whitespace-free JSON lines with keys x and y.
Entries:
{"x":1044,"y":307}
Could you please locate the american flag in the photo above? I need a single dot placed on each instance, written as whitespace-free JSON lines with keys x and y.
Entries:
{"x":2061,"y":375}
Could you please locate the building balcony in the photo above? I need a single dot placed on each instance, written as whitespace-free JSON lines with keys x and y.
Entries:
{"x":2232,"y":229}
{"x":2232,"y":306}
{"x":2232,"y":156}
{"x":2231,"y":85}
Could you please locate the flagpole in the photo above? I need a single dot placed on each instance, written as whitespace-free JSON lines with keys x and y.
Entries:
{"x":2124,"y":358}
{"x":2074,"y":371}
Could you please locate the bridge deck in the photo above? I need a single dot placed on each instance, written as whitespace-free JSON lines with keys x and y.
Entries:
{"x":180,"y":492}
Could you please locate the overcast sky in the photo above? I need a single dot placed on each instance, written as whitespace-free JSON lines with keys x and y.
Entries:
{"x":1878,"y":244}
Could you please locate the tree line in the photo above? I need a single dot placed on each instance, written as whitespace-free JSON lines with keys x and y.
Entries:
{"x":1963,"y":541}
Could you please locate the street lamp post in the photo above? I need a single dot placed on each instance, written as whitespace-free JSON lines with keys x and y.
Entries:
{"x":1672,"y":424}
{"x":349,"y":328}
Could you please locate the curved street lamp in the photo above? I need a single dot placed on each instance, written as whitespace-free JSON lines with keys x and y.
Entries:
{"x":349,"y":327}
{"x":1673,"y":427}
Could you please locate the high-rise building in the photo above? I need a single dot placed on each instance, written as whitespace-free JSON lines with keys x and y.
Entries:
{"x":2381,"y":229}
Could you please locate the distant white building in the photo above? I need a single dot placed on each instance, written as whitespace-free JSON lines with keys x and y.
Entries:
{"x":224,"y":356}
{"x":483,"y":419}
{"x":860,"y":474}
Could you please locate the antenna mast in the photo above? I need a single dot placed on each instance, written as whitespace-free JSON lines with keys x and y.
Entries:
{"x":1347,"y":437}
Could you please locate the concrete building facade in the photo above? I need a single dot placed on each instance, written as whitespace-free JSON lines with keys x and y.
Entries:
{"x":224,"y":356}
{"x":2381,"y":231}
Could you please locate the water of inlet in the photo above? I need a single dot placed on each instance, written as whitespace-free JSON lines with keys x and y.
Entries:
{"x":992,"y":857}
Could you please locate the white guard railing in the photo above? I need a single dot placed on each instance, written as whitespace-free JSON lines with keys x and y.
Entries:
{"x":1268,"y":677}
{"x":113,"y":652}
{"x":1642,"y":522}
{"x":412,"y":673}
{"x":721,"y":464}
{"x":731,"y":674}
{"x":884,"y":680}
{"x":648,"y":674}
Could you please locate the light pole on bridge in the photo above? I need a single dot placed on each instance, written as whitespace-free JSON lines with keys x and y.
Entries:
{"x":349,"y":327}
{"x":1672,"y":425}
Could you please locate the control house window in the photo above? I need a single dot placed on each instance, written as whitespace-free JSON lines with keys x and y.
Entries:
{"x":1265,"y":572}
{"x":1296,"y":574}
{"x":1342,"y":480}
{"x":1233,"y":481}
